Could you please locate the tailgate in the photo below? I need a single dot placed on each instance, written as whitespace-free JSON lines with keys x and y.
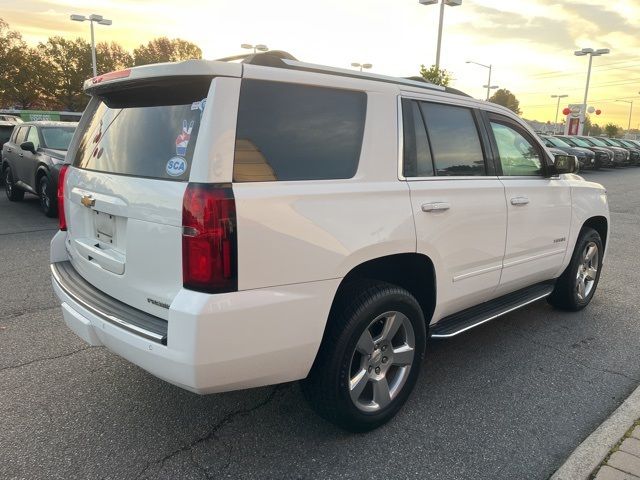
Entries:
{"x":123,"y":196}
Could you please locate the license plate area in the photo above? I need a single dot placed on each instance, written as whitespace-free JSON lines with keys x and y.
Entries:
{"x":104,"y":227}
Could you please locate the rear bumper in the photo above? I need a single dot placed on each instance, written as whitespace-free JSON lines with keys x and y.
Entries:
{"x":220,"y":342}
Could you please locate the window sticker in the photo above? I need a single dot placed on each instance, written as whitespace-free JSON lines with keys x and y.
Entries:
{"x":176,"y":166}
{"x":199,"y":105}
{"x":182,"y":141}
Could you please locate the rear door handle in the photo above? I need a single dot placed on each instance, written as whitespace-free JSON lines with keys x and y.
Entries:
{"x":519,"y":200}
{"x":435,"y":206}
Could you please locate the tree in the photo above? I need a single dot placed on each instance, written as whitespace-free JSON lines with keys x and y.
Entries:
{"x":11,"y":47}
{"x":435,"y":75}
{"x":507,"y":99}
{"x":611,"y":129}
{"x":25,"y":90}
{"x":67,"y":66}
{"x":111,"y":57}
{"x":163,"y":49}
{"x":595,"y":130}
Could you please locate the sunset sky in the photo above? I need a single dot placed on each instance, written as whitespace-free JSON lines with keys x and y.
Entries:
{"x":529,"y":42}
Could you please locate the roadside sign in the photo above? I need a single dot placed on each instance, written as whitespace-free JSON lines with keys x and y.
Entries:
{"x":36,"y":115}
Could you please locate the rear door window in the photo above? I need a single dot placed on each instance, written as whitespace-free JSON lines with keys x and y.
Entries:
{"x":455,"y":142}
{"x":148,"y":130}
{"x":297,"y":132}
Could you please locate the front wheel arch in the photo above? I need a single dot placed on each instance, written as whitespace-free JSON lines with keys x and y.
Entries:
{"x":601,"y":225}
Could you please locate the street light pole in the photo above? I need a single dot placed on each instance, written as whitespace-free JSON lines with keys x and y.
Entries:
{"x":100,"y":20}
{"x":440,"y":25}
{"x":630,"y":102}
{"x":451,"y":3}
{"x":559,"y":97}
{"x":93,"y":52}
{"x":592,"y":53}
{"x":488,"y":86}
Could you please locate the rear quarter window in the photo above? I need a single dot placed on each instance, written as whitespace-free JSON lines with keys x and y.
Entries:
{"x":297,"y":132}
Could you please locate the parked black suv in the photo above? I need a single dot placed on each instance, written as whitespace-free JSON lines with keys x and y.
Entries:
{"x":32,"y":158}
{"x":604,"y":156}
{"x":634,"y":151}
{"x":586,"y":158}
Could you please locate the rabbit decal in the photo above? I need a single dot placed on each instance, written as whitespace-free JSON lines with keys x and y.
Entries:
{"x":182,"y":141}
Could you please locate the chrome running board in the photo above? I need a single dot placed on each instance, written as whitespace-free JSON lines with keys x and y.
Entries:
{"x":485,"y":312}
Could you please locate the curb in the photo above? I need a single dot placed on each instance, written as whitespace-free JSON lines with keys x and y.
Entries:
{"x":590,"y":453}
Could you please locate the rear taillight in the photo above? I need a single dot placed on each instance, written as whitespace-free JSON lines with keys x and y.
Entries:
{"x":62,"y":219}
{"x":209,"y":242}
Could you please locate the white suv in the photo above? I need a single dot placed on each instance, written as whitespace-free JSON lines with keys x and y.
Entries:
{"x":230,"y":225}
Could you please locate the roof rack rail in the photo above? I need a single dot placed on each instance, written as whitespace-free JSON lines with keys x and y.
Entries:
{"x":282,"y":59}
{"x":454,"y":91}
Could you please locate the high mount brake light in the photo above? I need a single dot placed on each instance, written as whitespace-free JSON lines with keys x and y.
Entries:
{"x":111,"y":76}
{"x":209,"y":238}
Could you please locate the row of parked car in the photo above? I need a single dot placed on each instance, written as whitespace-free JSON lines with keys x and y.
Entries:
{"x":595,"y":152}
{"x":32,"y":154}
{"x":31,"y":158}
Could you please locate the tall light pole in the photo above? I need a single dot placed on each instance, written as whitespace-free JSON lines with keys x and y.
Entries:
{"x":93,"y":18}
{"x":630,"y":102}
{"x":256,"y":48}
{"x":559,"y":97}
{"x":488,"y":86}
{"x":592,"y":53}
{"x":451,"y":3}
{"x":361,"y":65}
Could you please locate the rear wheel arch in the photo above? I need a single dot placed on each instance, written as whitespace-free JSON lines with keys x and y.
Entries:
{"x":412,"y":271}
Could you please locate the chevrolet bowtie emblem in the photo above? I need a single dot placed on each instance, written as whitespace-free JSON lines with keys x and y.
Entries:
{"x":87,"y":201}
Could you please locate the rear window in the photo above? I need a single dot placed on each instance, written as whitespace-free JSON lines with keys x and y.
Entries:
{"x":297,"y":132}
{"x":147,"y":130}
{"x":57,"y":138}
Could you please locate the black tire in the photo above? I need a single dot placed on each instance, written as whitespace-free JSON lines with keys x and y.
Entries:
{"x":567,"y":294}
{"x":360,"y":307}
{"x":48,"y":200}
{"x":14,"y":194}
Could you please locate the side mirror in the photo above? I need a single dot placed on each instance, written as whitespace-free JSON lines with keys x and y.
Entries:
{"x":28,"y":146}
{"x":565,"y":164}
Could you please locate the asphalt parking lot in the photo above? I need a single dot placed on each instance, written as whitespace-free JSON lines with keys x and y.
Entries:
{"x":510,"y":399}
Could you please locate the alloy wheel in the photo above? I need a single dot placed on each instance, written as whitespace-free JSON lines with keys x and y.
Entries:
{"x":587,"y":270}
{"x":45,"y":201}
{"x":8,"y":186}
{"x":381,"y":361}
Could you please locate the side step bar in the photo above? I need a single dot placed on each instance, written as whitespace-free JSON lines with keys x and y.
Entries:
{"x":472,"y":317}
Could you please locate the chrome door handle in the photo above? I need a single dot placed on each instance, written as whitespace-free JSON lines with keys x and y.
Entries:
{"x":435,"y":206}
{"x":519,"y":201}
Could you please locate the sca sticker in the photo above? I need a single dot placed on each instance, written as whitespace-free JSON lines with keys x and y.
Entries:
{"x":176,"y":166}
